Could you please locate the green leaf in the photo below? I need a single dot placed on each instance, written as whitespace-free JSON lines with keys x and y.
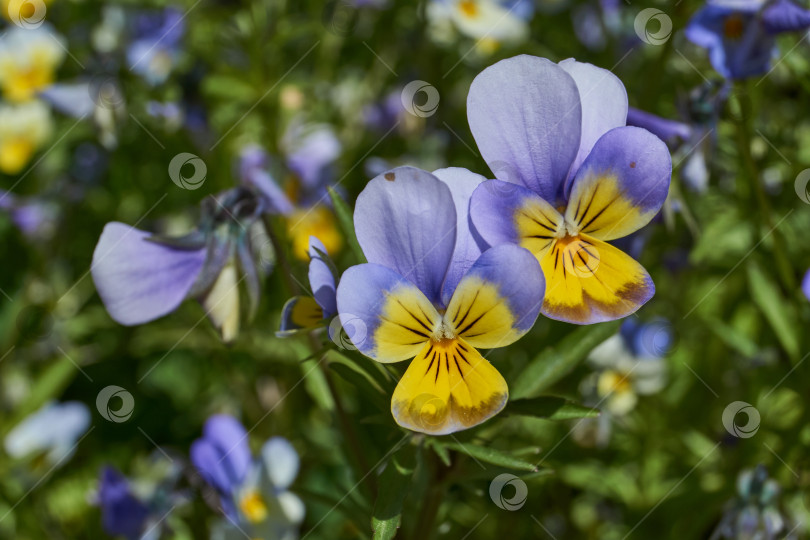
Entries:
{"x":777,"y":310}
{"x":550,"y":407}
{"x":491,"y":455}
{"x":556,"y":362}
{"x":358,"y":378}
{"x":345,"y":218}
{"x":732,"y":337}
{"x":234,"y":89}
{"x":394,"y":483}
{"x":440,"y":450}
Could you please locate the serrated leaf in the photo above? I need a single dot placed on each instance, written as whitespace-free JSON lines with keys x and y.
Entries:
{"x":777,"y":310}
{"x":394,"y":484}
{"x":556,"y":362}
{"x":346,"y":220}
{"x":491,"y":455}
{"x":550,"y":407}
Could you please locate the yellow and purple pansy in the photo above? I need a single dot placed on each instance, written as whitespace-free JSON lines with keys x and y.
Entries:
{"x":571,"y":176}
{"x":302,"y":313}
{"x":740,"y":35}
{"x":429,"y":293}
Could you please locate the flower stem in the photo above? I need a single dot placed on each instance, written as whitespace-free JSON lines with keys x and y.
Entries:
{"x":432,"y":500}
{"x":355,"y":449}
{"x":751,"y":171}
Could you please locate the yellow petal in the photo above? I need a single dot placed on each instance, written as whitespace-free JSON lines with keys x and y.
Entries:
{"x":448,"y":387}
{"x":319,"y":222}
{"x":601,"y":209}
{"x":537,"y":224}
{"x":407,"y":321}
{"x":589,"y":281}
{"x":15,"y":154}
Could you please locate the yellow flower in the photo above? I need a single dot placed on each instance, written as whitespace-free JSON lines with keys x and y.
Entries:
{"x":317,"y":221}
{"x":28,"y":61}
{"x":24,"y":10}
{"x":23,"y":129}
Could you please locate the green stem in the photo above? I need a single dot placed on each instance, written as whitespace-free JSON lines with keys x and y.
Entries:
{"x":355,"y":449}
{"x":350,"y":434}
{"x":751,"y":171}
{"x":433,"y":499}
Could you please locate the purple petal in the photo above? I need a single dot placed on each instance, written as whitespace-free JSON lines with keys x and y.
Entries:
{"x":604,"y":105}
{"x":462,"y":183}
{"x":525,"y":115}
{"x":385,"y":316}
{"x":121,"y":513}
{"x":253,"y":163}
{"x":622,"y":184}
{"x":663,"y":128}
{"x":405,"y":220}
{"x":72,"y":99}
{"x":222,"y":455}
{"x":785,"y":16}
{"x":492,"y":210}
{"x":138,"y":280}
{"x":806,"y":285}
{"x":321,"y":278}
{"x":311,"y":150}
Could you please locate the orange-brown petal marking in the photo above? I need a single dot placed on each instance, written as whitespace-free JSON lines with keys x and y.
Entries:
{"x":448,"y":387}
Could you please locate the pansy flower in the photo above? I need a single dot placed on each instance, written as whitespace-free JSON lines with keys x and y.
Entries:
{"x":155,"y":46}
{"x":141,"y":277}
{"x":628,"y":365}
{"x":428,"y":293}
{"x":24,"y":128}
{"x":35,"y":217}
{"x":310,"y":152}
{"x":806,"y":285}
{"x":253,"y":493}
{"x":570,"y":177}
{"x":122,"y":514}
{"x":302,"y":313}
{"x":51,"y":431}
{"x":29,"y":58}
{"x":490,"y":22}
{"x":138,"y":509}
{"x":755,"y":511}
{"x":740,"y":34}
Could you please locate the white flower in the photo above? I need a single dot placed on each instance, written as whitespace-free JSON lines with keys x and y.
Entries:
{"x":621,"y":377}
{"x":53,"y":430}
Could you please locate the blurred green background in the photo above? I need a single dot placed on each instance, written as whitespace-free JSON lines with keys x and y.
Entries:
{"x":726,"y":259}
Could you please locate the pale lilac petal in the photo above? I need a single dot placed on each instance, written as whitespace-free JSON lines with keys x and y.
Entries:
{"x":139,"y":280}
{"x":525,"y":115}
{"x":321,"y":278}
{"x":280,"y":461}
{"x":462,"y":183}
{"x":405,"y":220}
{"x":604,"y":105}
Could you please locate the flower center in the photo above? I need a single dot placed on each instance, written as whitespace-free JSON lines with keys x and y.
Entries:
{"x":253,"y":506}
{"x":733,"y":27}
{"x":468,"y":8}
{"x":613,"y":382}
